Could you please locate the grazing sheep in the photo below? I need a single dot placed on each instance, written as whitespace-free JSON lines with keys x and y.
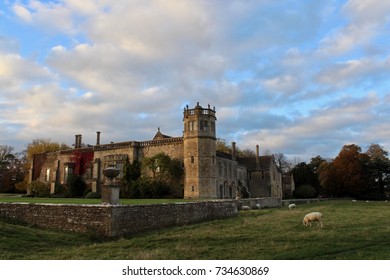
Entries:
{"x":258,"y":206}
{"x":244,"y":207}
{"x":313,"y":217}
{"x":354,"y":200}
{"x":292,"y":206}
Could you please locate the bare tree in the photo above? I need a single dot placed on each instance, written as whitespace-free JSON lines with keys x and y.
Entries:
{"x":282,"y":163}
{"x":6,"y":154}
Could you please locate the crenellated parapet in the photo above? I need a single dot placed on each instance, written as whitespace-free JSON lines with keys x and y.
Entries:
{"x":139,"y":144}
{"x":199,"y":110}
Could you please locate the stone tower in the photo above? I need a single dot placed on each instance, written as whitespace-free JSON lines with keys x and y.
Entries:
{"x":199,"y":152}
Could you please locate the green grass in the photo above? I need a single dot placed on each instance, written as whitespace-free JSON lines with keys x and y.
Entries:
{"x":15,"y":198}
{"x":351,"y":231}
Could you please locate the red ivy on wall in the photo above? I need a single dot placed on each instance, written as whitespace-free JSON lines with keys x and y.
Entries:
{"x":81,"y":160}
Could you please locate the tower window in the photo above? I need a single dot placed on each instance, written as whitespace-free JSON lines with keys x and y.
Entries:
{"x":192,"y":159}
{"x":204,"y":125}
{"x":191,"y":126}
{"x":193,"y":188}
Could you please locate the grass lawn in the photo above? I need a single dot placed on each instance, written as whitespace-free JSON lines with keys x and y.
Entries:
{"x":351,"y":231}
{"x":18,"y":198}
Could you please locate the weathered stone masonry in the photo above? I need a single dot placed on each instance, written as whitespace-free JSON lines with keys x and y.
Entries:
{"x":117,"y":220}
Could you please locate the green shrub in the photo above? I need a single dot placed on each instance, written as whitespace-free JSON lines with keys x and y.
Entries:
{"x":39,"y":189}
{"x":76,"y":186}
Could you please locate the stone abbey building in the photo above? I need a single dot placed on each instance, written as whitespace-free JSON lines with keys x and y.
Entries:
{"x":208,"y":173}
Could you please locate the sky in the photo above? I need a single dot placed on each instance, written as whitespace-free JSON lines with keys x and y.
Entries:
{"x":302,"y":78}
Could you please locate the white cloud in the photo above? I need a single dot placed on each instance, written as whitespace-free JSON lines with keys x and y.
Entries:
{"x":366,"y":20}
{"x":272,"y":69}
{"x":22,"y":13}
{"x":368,"y":12}
{"x":49,"y":16}
{"x":14,"y":71}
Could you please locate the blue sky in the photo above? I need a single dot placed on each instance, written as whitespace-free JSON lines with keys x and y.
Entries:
{"x":301,"y":78}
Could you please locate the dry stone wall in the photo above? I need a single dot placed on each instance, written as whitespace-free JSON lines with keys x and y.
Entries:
{"x":265,"y":202}
{"x":116,"y":220}
{"x":68,"y":217}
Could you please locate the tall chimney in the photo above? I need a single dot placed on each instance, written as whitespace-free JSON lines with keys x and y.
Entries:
{"x":80,"y":141}
{"x":76,"y":141}
{"x":233,"y":150}
{"x":98,"y":138}
{"x":257,"y":157}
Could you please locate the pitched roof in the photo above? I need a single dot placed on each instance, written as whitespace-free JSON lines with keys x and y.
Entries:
{"x":221,"y":154}
{"x":251,"y":165}
{"x":160,"y":136}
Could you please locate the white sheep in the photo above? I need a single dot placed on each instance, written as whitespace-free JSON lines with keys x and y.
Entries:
{"x":245,"y":207}
{"x":313,"y":217}
{"x":292,"y":206}
{"x":258,"y":206}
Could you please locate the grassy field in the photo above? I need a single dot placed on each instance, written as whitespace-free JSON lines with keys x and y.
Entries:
{"x":351,"y":231}
{"x":18,"y":198}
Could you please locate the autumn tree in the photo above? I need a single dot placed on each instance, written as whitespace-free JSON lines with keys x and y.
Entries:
{"x":350,"y":171}
{"x":316,"y":162}
{"x":327,"y":178}
{"x":40,"y":145}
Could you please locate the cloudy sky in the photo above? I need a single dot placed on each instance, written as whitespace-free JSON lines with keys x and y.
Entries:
{"x":301,"y":78}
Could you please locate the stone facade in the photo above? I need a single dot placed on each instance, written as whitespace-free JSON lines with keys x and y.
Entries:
{"x":207,"y":172}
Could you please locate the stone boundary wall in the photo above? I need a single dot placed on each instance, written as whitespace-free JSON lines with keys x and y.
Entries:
{"x":127,"y":220}
{"x":116,"y":220}
{"x":303,"y":201}
{"x":67,"y":217}
{"x":265,"y":202}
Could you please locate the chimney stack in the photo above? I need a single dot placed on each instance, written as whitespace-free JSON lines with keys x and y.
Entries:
{"x":76,"y":141}
{"x":79,"y":141}
{"x":98,"y":138}
{"x":257,"y":157}
{"x":233,"y":150}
